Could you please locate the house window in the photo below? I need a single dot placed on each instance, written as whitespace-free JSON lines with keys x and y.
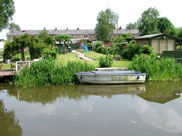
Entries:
{"x":85,"y":36}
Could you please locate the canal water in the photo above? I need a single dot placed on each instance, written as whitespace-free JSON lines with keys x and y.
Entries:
{"x":152,"y":109}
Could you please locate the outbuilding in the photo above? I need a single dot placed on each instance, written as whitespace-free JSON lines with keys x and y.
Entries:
{"x":159,"y":42}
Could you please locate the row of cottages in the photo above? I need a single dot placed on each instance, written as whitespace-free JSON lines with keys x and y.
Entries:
{"x":75,"y":34}
{"x":159,"y":42}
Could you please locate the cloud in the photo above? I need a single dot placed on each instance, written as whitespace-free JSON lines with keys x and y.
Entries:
{"x":163,"y":117}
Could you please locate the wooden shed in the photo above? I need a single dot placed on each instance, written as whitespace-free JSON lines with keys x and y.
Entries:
{"x":159,"y":42}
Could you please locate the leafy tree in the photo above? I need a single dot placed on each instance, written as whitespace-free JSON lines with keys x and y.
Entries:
{"x":64,"y":40}
{"x":106,"y":21}
{"x":36,"y":47}
{"x":46,"y":38}
{"x":13,"y":26}
{"x":7,"y":9}
{"x":21,"y":42}
{"x":178,"y":32}
{"x":131,"y":26}
{"x":148,"y":23}
{"x":165,"y":26}
{"x":123,"y":38}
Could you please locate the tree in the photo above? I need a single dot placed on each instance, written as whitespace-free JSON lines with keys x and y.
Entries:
{"x":106,"y":21}
{"x":7,"y":10}
{"x":64,"y":40}
{"x":178,"y":32}
{"x":46,"y":38}
{"x":148,"y":23}
{"x":13,"y":26}
{"x":20,"y":43}
{"x":43,"y":34}
{"x":165,"y":26}
{"x":131,"y":26}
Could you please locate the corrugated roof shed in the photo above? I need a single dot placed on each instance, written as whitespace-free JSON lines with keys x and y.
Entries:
{"x":70,"y":32}
{"x":149,"y":36}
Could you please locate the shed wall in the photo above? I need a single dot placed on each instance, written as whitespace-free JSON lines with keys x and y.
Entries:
{"x":143,"y":42}
{"x":160,"y":45}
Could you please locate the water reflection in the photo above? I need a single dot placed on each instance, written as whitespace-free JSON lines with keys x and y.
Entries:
{"x":9,"y":126}
{"x":96,"y":110}
{"x":162,"y":92}
{"x":46,"y":95}
{"x":111,"y":89}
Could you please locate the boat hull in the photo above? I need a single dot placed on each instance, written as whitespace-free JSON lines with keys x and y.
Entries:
{"x":111,"y":79}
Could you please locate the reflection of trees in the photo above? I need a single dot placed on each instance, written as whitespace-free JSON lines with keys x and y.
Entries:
{"x":161,"y":92}
{"x":47,"y":94}
{"x":8,"y":125}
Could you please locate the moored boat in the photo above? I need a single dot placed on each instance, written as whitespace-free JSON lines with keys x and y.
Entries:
{"x":111,"y":77}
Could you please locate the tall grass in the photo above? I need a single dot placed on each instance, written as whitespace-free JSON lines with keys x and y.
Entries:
{"x":157,"y":69}
{"x":47,"y":72}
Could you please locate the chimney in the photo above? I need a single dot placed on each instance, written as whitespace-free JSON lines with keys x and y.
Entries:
{"x":77,"y":28}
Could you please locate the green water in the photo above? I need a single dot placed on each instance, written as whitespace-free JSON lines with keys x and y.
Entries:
{"x":153,"y":109}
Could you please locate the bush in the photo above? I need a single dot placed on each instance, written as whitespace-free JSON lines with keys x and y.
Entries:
{"x":49,"y":54}
{"x":157,"y":69}
{"x":90,"y":46}
{"x":105,"y":61}
{"x":47,"y":72}
{"x":109,"y":50}
{"x":16,"y":57}
{"x":99,"y":49}
{"x":131,"y":51}
{"x":146,"y":49}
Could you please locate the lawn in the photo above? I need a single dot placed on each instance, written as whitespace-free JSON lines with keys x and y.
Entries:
{"x":64,"y":58}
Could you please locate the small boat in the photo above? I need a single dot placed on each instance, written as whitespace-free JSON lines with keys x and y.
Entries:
{"x":111,"y":77}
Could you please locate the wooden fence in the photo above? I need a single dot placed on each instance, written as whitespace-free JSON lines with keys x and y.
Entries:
{"x":21,"y":64}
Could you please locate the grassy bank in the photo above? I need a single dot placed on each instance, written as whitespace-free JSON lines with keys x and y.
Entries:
{"x":96,"y":56}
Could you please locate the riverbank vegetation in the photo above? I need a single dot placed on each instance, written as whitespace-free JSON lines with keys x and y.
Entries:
{"x":48,"y":72}
{"x":157,"y":68}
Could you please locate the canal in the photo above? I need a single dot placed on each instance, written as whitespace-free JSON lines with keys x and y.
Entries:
{"x":152,"y":109}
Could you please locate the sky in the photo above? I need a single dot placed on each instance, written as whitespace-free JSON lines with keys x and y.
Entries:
{"x":71,"y":14}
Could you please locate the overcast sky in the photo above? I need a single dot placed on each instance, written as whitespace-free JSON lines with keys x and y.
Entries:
{"x":37,"y":14}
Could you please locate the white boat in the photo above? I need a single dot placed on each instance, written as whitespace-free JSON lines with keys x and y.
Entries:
{"x":111,"y":77}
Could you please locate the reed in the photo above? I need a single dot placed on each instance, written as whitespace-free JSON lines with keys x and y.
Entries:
{"x":47,"y":72}
{"x":157,"y":68}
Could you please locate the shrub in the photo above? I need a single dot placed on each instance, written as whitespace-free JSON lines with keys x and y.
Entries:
{"x":131,"y":51}
{"x":146,"y":49}
{"x":90,"y":46}
{"x":49,"y":54}
{"x":99,"y":49}
{"x":99,"y":44}
{"x":105,"y":61}
{"x":157,"y":69}
{"x":16,"y":57}
{"x":109,"y":50}
{"x":47,"y":72}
